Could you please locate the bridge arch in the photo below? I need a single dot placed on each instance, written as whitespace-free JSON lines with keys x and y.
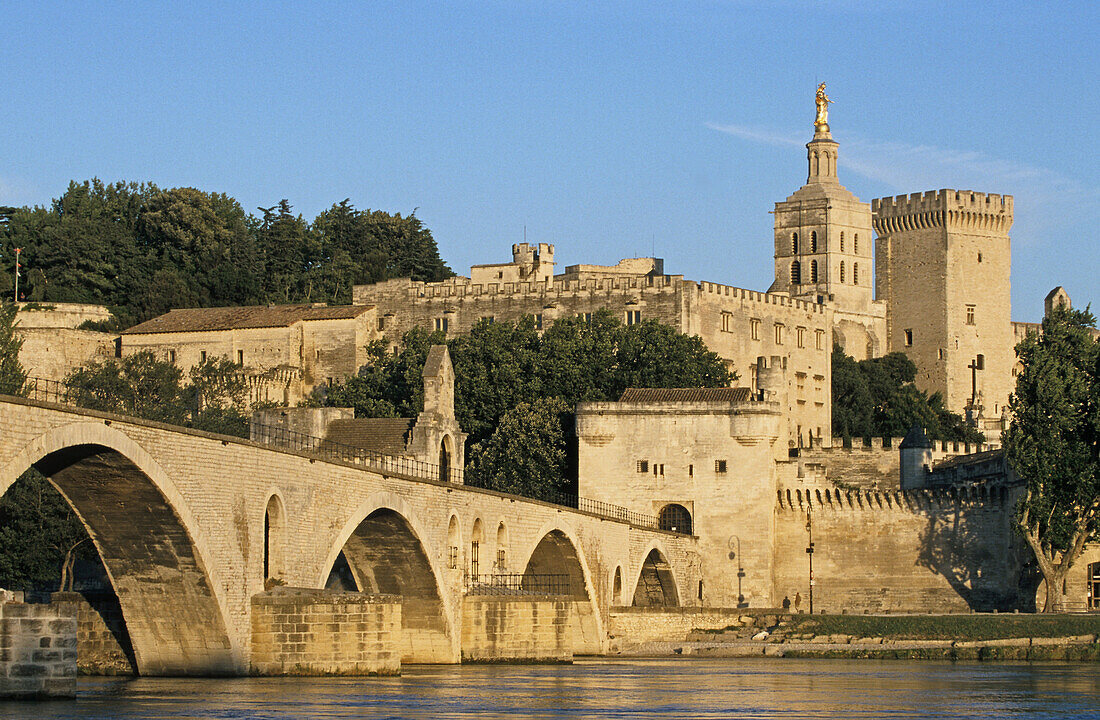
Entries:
{"x":558,"y":551}
{"x":383,"y":543}
{"x":655,"y":583}
{"x":152,"y":548}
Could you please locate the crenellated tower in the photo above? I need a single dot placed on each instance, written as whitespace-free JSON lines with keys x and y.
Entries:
{"x":943,"y":263}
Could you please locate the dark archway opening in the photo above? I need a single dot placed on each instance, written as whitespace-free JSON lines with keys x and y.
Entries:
{"x":655,"y":586}
{"x":675,"y":518}
{"x":444,"y":462}
{"x":555,"y":568}
{"x":384,"y":555}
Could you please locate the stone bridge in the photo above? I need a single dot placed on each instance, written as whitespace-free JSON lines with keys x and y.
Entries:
{"x":191,"y":525}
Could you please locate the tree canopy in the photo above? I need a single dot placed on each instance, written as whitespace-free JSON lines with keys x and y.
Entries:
{"x":516,"y":390}
{"x":1053,"y":443}
{"x":12,"y":374}
{"x":877,"y":398}
{"x":141,"y":250}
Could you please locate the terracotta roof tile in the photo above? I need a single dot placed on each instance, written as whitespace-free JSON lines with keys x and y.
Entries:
{"x":739,"y":394}
{"x":252,"y":316}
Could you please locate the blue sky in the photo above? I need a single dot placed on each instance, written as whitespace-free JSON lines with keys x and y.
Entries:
{"x":609,"y":129}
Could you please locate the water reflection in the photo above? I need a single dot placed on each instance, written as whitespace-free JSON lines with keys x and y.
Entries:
{"x":681,"y":688}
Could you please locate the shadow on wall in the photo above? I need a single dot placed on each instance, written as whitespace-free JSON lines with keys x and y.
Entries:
{"x":981,"y":558}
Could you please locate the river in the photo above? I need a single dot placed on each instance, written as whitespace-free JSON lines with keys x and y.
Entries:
{"x":611,"y":688}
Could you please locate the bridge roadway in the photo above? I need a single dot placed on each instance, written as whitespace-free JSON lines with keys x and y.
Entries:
{"x":189,"y":523}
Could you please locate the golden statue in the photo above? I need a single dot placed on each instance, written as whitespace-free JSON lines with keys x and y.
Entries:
{"x":823,"y":101}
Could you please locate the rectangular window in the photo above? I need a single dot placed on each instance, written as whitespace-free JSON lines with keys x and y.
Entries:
{"x":502,"y":560}
{"x":474,"y":547}
{"x":587,"y":317}
{"x":719,"y":466}
{"x":488,"y":319}
{"x":381,"y":323}
{"x":240,"y":357}
{"x":172,"y":356}
{"x":779,"y":333}
{"x":727,"y":322}
{"x":643,"y":466}
{"x":441,"y":324}
{"x":633,"y":317}
{"x":453,"y":557}
{"x":801,"y":337}
{"x":658,"y":469}
{"x":941,"y":353}
{"x":800,"y":381}
{"x":691,"y":471}
{"x":820,"y":335}
{"x":754,"y":329}
{"x":202,"y":356}
{"x":969,"y":314}
{"x":538,"y":321}
{"x":908,"y":338}
{"x":819,"y":383}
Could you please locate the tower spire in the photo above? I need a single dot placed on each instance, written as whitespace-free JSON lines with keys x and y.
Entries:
{"x":821,"y":152}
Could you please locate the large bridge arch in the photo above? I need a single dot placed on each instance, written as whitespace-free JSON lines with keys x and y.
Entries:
{"x":557,"y":550}
{"x":151,"y":546}
{"x":384,"y":544}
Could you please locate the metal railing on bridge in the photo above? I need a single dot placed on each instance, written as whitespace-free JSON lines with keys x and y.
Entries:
{"x":518,"y":584}
{"x":55,"y":391}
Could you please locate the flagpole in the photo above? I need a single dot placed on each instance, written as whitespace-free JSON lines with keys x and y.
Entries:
{"x":17,"y":251}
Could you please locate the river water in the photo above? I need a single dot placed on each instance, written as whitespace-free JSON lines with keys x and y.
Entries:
{"x":612,"y":688}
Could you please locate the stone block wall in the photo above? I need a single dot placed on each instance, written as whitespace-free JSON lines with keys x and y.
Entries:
{"x":103,"y":645}
{"x":629,"y":625}
{"x":299,"y":631}
{"x":498,"y":628}
{"x":37,"y":651}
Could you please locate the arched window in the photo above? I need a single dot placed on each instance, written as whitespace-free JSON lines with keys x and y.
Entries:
{"x":813,"y":241}
{"x":855,"y":273}
{"x":617,"y":587}
{"x":476,"y":538}
{"x":444,"y":461}
{"x":452,"y":543}
{"x":502,"y":549}
{"x":675,"y":518}
{"x":813,"y":271}
{"x":841,"y":241}
{"x":855,"y":243}
{"x":794,"y":243}
{"x":274,"y":538}
{"x":796,"y":273}
{"x":841,"y":271}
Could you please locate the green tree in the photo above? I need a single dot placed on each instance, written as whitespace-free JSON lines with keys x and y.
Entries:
{"x":1053,"y":444}
{"x":12,"y":375}
{"x":525,"y":455}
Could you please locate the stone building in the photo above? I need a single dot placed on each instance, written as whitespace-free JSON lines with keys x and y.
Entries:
{"x":56,"y":341}
{"x":286,"y":350}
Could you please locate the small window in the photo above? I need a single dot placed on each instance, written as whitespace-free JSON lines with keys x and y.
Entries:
{"x":754,"y":329}
{"x":172,"y":356}
{"x":538,"y":321}
{"x":801,"y":334}
{"x":841,"y":241}
{"x":441,"y":324}
{"x":855,"y":243}
{"x":969,"y":314}
{"x":719,"y":466}
{"x":813,"y":271}
{"x":500,"y":275}
{"x":633,"y":317}
{"x":488,"y":319}
{"x":658,"y":469}
{"x":779,"y":333}
{"x":727,"y":322}
{"x":202,"y":356}
{"x":502,"y":560}
{"x":813,"y":241}
{"x":841,"y":271}
{"x":381,"y":323}
{"x":453,"y":557}
{"x":796,"y":273}
{"x":240,"y":357}
{"x":642,"y":466}
{"x":979,"y":257}
{"x":691,"y":471}
{"x":820,"y":336}
{"x":794,"y":243}
{"x":587,"y":317}
{"x":855,"y":273}
{"x":941,"y":353}
{"x":800,"y":381}
{"x":908,"y":338}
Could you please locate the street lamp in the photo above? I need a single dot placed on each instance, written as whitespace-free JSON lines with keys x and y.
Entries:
{"x":735,"y":541}
{"x":810,"y":551}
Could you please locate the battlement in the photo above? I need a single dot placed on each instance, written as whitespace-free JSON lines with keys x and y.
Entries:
{"x":955,"y":209}
{"x":819,"y":497}
{"x":763,"y":298}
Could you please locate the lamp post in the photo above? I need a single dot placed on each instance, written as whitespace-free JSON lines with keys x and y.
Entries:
{"x":810,"y":551}
{"x":735,"y":541}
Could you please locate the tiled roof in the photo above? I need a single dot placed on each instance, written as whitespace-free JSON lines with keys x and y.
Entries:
{"x":739,"y":394}
{"x":252,"y":316}
{"x":382,"y":435}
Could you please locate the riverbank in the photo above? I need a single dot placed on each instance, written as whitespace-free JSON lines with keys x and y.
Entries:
{"x":981,"y":637}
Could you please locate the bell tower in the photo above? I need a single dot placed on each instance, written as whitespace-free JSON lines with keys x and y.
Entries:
{"x":823,"y":237}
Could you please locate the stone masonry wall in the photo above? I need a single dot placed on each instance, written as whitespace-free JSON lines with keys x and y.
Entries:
{"x":509,"y":628}
{"x":37,"y":651}
{"x":297,"y":631}
{"x":103,"y":646}
{"x":915,"y":551}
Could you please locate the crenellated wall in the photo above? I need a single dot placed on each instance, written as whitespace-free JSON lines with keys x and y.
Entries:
{"x":912,"y":551}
